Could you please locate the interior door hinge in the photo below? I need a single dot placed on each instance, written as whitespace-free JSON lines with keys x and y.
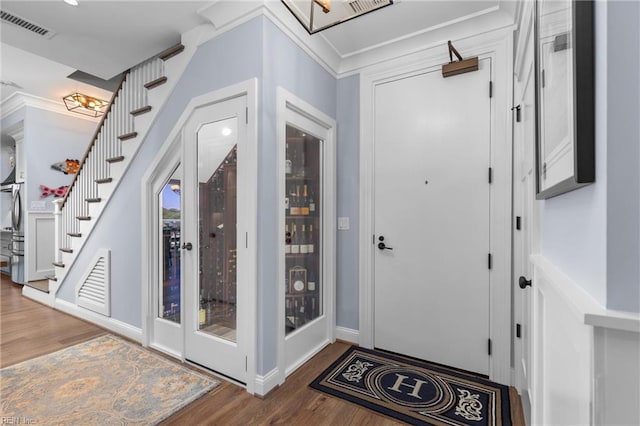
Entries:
{"x":490,"y":175}
{"x":491,"y":89}
{"x":490,"y":261}
{"x":246,"y":111}
{"x":518,"y":109}
{"x":518,"y":331}
{"x":246,"y":363}
{"x":489,"y":346}
{"x":373,"y":239}
{"x":518,"y":223}
{"x":246,"y":240}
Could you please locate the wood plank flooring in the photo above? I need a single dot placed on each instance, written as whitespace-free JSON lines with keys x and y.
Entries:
{"x":28,"y":330}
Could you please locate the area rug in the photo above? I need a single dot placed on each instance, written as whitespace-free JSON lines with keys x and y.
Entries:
{"x":105,"y":381}
{"x":413,"y":391}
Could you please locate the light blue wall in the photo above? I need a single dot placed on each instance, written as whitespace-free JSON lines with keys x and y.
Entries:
{"x":574,"y":225}
{"x":50,"y":137}
{"x":215,"y":65}
{"x":623,"y":150}
{"x":348,"y":117}
{"x":286,"y":65}
{"x":593,"y":234}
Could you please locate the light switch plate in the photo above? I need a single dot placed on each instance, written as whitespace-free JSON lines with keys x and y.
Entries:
{"x":343,"y":223}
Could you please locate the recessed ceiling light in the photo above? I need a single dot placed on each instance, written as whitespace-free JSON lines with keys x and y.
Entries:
{"x":71,"y":2}
{"x":226,"y":131}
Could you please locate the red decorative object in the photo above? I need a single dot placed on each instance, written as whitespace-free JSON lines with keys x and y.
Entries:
{"x":58,"y":192}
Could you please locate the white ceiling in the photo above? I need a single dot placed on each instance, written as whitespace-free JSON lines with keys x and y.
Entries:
{"x":104,"y":38}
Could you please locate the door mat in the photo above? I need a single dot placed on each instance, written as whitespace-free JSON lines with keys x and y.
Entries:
{"x":105,"y":381}
{"x":414,"y":391}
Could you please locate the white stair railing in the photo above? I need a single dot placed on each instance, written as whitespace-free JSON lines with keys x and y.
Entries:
{"x":116,"y":128}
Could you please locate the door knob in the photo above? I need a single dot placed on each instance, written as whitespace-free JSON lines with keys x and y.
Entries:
{"x":187,"y":246}
{"x":523,"y":283}
{"x":383,"y":246}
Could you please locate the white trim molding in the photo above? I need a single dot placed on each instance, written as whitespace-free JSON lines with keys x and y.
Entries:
{"x":347,"y":335}
{"x":267,"y":383}
{"x":18,"y":100}
{"x":111,"y":324}
{"x":497,"y":45}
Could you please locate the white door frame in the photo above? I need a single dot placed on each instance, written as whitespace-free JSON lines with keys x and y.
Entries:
{"x":288,"y":104}
{"x":496,"y":45}
{"x":161,"y":161}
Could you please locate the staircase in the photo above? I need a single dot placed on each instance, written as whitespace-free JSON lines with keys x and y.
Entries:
{"x":132,"y":110}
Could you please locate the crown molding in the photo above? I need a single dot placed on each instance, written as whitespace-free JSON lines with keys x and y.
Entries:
{"x":18,"y":100}
{"x":224,"y":15}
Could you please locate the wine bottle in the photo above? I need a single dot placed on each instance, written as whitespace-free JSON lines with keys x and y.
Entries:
{"x":312,"y":203}
{"x":304,"y":205}
{"x":202,"y":313}
{"x":287,"y":162}
{"x":294,"y":207}
{"x":310,"y":246}
{"x":295,"y":244}
{"x":287,"y":239}
{"x":303,"y":241}
{"x":311,"y":281}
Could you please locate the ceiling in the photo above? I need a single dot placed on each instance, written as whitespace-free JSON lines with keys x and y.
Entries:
{"x":104,"y":38}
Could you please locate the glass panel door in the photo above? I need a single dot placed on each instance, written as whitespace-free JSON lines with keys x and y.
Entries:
{"x":217,"y":194}
{"x":303,"y":242}
{"x":169,"y":200}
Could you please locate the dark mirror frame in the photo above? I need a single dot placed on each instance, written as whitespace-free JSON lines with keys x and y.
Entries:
{"x":582,"y":40}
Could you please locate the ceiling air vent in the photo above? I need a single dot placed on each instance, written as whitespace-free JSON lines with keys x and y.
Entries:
{"x":27,"y":25}
{"x":363,"y":6}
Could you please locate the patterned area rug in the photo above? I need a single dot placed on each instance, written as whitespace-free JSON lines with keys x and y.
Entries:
{"x":105,"y":381}
{"x":413,"y":391}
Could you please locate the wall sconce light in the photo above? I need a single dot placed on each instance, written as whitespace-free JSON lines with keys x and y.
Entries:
{"x":318,"y":15}
{"x":176,"y":188}
{"x":84,"y":104}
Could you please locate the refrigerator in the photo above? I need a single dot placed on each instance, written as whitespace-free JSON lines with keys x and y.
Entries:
{"x":17,"y":234}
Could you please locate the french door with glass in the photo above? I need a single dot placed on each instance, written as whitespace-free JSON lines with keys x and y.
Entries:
{"x":202,"y":233}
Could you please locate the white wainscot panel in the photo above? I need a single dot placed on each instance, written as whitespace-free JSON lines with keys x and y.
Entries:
{"x":40,"y":246}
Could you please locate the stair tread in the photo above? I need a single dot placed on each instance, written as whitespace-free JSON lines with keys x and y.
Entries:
{"x":51,"y":277}
{"x":115,"y":159}
{"x":171,"y":52}
{"x":58,"y":264}
{"x":83,"y":217}
{"x":141,"y":110}
{"x":129,"y":135}
{"x":74,"y":234}
{"x":104,"y":180}
{"x":93,"y":200}
{"x":155,"y":83}
{"x":66,"y":250}
{"x":37,"y":287}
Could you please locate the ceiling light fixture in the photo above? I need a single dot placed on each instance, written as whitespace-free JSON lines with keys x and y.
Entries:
{"x":318,"y":15}
{"x":71,"y":2}
{"x":84,"y":104}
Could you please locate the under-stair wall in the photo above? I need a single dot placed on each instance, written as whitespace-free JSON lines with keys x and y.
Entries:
{"x":214,"y":65}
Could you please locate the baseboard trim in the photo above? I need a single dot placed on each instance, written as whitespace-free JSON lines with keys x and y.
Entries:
{"x":111,"y":324}
{"x":266,"y":383}
{"x":348,"y":335}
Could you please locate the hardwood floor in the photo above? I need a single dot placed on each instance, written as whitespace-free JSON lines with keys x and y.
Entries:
{"x":28,"y":330}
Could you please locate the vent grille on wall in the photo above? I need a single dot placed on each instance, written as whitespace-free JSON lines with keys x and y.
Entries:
{"x":93,"y":290}
{"x":10,"y":18}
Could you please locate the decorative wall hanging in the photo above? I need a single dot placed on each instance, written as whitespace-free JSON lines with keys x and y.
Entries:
{"x":58,"y":192}
{"x":67,"y":167}
{"x":565,"y":148}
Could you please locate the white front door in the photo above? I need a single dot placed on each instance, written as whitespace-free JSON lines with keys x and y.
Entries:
{"x":432,"y":217}
{"x":214,"y":237}
{"x":523,"y":197}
